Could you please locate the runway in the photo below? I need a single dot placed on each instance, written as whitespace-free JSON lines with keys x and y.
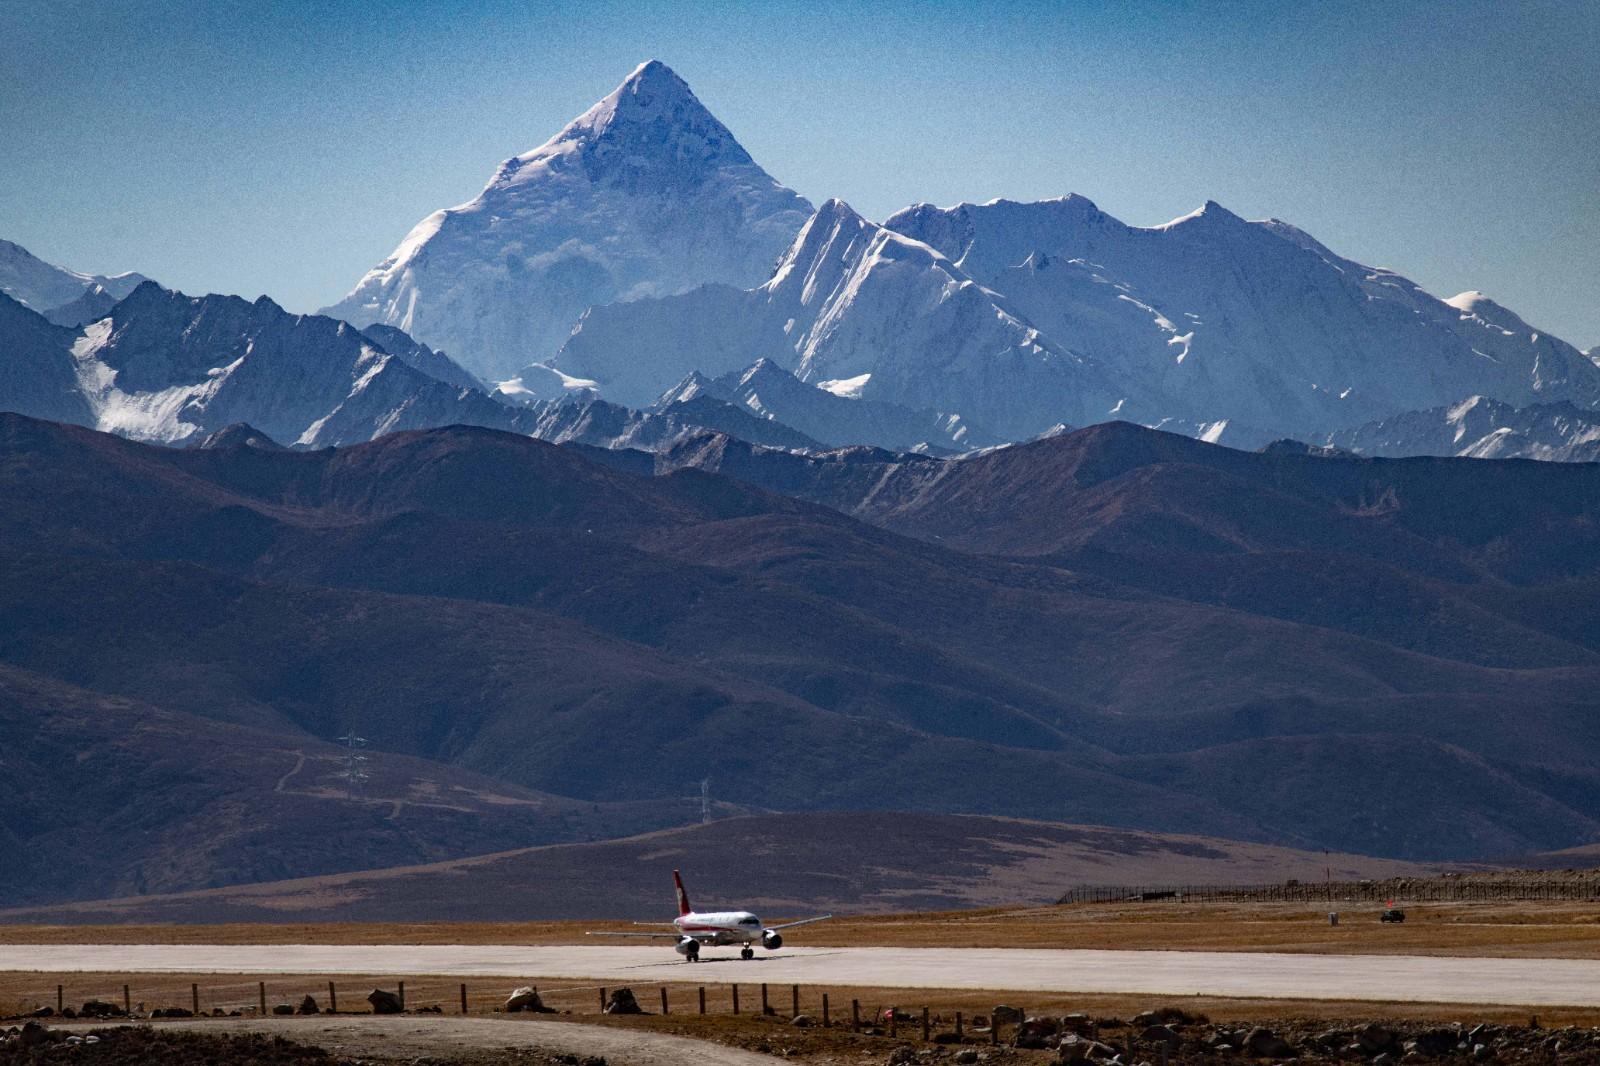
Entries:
{"x":1387,"y":978}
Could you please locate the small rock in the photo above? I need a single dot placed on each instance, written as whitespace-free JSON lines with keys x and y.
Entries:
{"x":801,"y":1021}
{"x":309,"y":1006}
{"x":1004,"y":1015}
{"x":966,"y":1057}
{"x":282,"y":1008}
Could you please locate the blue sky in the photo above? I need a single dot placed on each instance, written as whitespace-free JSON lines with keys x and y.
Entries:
{"x":285,"y":148}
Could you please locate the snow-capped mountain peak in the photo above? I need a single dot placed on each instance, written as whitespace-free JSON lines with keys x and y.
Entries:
{"x":646,"y":193}
{"x":651,"y":126}
{"x":43,"y":287}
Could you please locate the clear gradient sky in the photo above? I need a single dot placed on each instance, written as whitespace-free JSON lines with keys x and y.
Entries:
{"x":287,"y":147}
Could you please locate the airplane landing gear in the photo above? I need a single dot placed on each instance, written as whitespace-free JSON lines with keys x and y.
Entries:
{"x":748,"y":953}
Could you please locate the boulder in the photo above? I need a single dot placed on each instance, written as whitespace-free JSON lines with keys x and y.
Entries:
{"x":1081,"y":1049}
{"x":1003,"y":1015}
{"x":1434,"y":1042}
{"x":1161,"y":1034}
{"x":801,"y":1021}
{"x":96,"y":1008}
{"x":1375,"y":1039}
{"x":33,"y":1035}
{"x":1266,"y":1044}
{"x":385,"y":1002}
{"x":621,"y":1001}
{"x":309,"y":1006}
{"x":282,"y":1009}
{"x":44,"y":1012}
{"x":1036,"y":1032}
{"x":966,"y":1057}
{"x":526,"y":999}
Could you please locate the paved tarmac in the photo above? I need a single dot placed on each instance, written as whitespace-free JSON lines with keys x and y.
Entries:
{"x":1391,"y":978}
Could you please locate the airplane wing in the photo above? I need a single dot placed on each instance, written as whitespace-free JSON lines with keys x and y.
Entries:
{"x":802,"y":921}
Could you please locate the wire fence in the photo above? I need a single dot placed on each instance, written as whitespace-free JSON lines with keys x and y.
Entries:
{"x":1413,"y":890}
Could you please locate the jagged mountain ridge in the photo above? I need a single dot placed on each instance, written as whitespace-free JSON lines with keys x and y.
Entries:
{"x":646,"y":193}
{"x":853,"y":303}
{"x":43,"y":287}
{"x":1482,"y":428}
{"x":170,"y":368}
{"x":772,"y":393}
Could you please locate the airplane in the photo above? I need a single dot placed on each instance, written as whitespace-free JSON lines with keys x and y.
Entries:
{"x":692,"y":929}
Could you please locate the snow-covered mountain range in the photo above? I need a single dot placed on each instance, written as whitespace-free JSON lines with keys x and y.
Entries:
{"x":1482,"y":428}
{"x":170,"y":368}
{"x":167,"y":368}
{"x":1022,"y":316}
{"x":640,"y":275}
{"x":43,"y":287}
{"x":644,"y":194}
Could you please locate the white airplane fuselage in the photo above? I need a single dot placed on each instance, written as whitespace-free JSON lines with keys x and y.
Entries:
{"x":721,"y":927}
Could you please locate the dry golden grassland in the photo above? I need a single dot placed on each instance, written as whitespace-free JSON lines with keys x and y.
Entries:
{"x":1510,"y":929}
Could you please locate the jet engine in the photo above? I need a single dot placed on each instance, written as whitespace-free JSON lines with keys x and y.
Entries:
{"x":688,"y":947}
{"x":771,"y":941}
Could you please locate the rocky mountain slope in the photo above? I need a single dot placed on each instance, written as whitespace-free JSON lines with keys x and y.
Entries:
{"x":1111,"y":626}
{"x":646,"y":193}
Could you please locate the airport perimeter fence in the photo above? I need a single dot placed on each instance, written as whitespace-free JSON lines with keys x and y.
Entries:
{"x":1408,"y":890}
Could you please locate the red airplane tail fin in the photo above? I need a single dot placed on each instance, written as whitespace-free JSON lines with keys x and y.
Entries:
{"x":683,"y":897}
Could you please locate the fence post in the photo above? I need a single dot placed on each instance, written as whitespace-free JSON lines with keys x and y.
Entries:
{"x":127,"y":1001}
{"x":194,"y":997}
{"x":664,"y":999}
{"x":602,"y":1001}
{"x":61,"y":999}
{"x":958,"y":1025}
{"x":402,"y":995}
{"x":924,"y":1024}
{"x":765,"y":1010}
{"x":855,"y":1016}
{"x":794,"y":1001}
{"x":824,"y":1010}
{"x":463,"y":997}
{"x":261,"y":996}
{"x":333,"y":999}
{"x":736,"y":999}
{"x":702,"y":999}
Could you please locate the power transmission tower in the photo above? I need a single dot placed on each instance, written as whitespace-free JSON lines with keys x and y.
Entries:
{"x":355,"y":771}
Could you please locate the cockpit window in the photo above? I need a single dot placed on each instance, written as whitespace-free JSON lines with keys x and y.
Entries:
{"x":750,"y":921}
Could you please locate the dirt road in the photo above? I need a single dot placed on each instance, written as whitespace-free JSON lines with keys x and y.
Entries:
{"x":414,"y":1036}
